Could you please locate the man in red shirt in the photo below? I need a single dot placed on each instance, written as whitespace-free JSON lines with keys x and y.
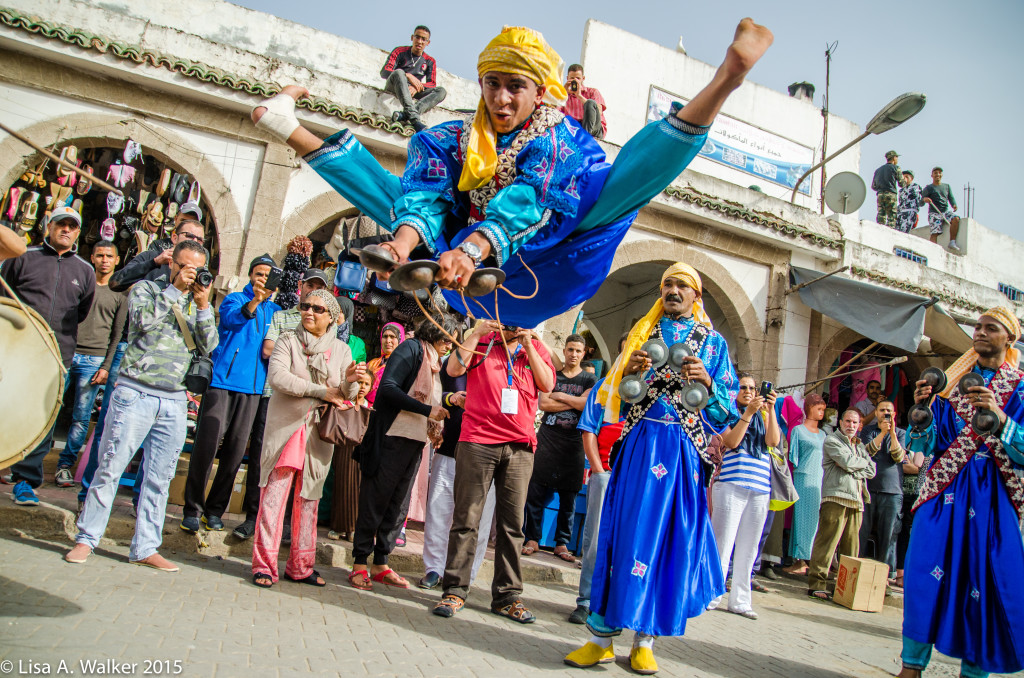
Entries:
{"x":585,"y":104}
{"x":497,"y":445}
{"x":412,"y":77}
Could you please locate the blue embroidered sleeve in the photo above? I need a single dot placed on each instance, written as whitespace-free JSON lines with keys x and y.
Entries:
{"x":428,"y":183}
{"x":649,"y":162}
{"x":425,"y":212}
{"x":513,"y":217}
{"x":722,"y":403}
{"x":1012,"y":438}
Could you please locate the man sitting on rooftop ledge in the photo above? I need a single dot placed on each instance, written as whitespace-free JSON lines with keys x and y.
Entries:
{"x":518,"y":181}
{"x":412,"y":77}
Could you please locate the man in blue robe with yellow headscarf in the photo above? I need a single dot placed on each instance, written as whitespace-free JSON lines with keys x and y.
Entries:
{"x":519,"y":184}
{"x":657,"y":562}
{"x":965,"y":561}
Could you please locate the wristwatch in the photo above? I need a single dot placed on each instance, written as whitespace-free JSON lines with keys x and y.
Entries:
{"x":472,"y":251}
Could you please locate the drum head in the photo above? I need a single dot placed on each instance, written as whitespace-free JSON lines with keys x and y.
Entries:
{"x":31,"y":381}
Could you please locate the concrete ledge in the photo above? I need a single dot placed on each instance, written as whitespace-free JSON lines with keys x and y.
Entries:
{"x":53,"y":522}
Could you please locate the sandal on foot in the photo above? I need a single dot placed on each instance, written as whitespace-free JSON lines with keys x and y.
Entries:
{"x":515,"y":611}
{"x":264,"y":581}
{"x":563,"y":553}
{"x":391,"y":578}
{"x":758,"y":587}
{"x":360,"y":579}
{"x":448,"y":605}
{"x":820,"y":595}
{"x":530,"y":547}
{"x":313,"y":579}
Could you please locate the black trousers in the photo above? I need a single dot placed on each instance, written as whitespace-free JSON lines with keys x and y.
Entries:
{"x":537,"y":497}
{"x":251,"y":501}
{"x":225,"y":416}
{"x":384,"y":500}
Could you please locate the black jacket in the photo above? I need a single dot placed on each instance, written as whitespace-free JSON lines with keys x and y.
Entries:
{"x":453,"y":424}
{"x":392,"y":397}
{"x":141,"y":267}
{"x":60,"y":287}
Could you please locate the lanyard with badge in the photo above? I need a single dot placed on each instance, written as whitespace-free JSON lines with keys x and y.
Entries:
{"x":509,"y":396}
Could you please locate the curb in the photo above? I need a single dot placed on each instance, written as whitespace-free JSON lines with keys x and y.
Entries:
{"x":48,"y":521}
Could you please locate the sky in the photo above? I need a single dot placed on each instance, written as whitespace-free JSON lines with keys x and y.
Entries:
{"x":964,"y":57}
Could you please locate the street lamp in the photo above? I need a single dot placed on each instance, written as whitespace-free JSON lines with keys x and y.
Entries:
{"x":895,"y":113}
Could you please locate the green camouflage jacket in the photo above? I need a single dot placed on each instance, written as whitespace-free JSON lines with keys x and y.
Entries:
{"x":156,"y":355}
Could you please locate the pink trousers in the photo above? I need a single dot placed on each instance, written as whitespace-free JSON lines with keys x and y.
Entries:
{"x":270,"y":522}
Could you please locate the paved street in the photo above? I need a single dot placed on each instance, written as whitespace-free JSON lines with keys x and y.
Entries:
{"x":216,"y":623}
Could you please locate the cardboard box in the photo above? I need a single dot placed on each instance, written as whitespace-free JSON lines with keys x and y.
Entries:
{"x":860,"y":584}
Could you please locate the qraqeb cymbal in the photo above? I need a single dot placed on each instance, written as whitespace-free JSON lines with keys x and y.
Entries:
{"x":484,"y":281}
{"x":31,"y":381}
{"x":415,"y":275}
{"x":376,"y":258}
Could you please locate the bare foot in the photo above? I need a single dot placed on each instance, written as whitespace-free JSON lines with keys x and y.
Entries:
{"x":909,"y":673}
{"x":157,"y":562}
{"x":749,"y":44}
{"x":78,"y":554}
{"x":797,"y":568}
{"x":294,"y":91}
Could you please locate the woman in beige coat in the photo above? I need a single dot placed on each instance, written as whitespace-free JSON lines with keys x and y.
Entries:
{"x":309,"y":367}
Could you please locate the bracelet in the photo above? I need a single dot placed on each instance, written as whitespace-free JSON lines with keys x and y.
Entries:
{"x":744,"y":420}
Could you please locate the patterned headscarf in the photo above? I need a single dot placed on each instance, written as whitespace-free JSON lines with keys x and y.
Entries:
{"x":328,"y":300}
{"x":520,"y":51}
{"x":641,"y":331}
{"x":965,"y":363}
{"x":316,"y":347}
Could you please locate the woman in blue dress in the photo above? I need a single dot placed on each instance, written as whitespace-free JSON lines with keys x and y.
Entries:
{"x":965,"y":562}
{"x":519,"y":183}
{"x":805,"y":444}
{"x":657,"y":563}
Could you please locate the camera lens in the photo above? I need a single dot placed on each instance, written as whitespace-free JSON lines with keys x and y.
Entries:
{"x":203,"y":277}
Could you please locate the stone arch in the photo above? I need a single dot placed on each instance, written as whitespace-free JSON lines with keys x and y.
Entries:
{"x":740,"y":315}
{"x":165,"y":145}
{"x":312,"y":215}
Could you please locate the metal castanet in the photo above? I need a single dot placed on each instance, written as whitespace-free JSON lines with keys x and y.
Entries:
{"x":414,"y":275}
{"x":657,"y":352}
{"x":633,"y":388}
{"x":694,"y":396}
{"x":376,"y":258}
{"x":484,"y":281}
{"x":677,"y":356}
{"x":984,"y":422}
{"x":920,"y":416}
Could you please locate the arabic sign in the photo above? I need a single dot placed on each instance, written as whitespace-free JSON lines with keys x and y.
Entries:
{"x":744,"y":147}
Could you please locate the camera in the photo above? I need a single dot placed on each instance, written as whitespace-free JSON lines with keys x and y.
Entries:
{"x":203,"y":277}
{"x":273,"y":279}
{"x":574,"y":86}
{"x":766,"y":388}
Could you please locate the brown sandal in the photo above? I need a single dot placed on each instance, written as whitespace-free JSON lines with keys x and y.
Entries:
{"x":563,"y":552}
{"x":360,"y":579}
{"x":515,"y":611}
{"x":530,"y":550}
{"x":449,"y":605}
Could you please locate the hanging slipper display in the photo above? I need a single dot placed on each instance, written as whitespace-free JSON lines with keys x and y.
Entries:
{"x":132,"y":150}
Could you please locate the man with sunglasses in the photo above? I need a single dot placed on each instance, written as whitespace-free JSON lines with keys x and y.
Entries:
{"x":154,"y":263}
{"x":52,"y":279}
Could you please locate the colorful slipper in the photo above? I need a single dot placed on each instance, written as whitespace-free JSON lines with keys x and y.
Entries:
{"x":391,"y":578}
{"x":360,"y":579}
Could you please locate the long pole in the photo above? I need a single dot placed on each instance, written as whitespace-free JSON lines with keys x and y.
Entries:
{"x":829,"y":49}
{"x":66,"y":165}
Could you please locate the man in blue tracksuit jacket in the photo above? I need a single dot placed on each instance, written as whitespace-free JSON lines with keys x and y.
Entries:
{"x":230,"y":404}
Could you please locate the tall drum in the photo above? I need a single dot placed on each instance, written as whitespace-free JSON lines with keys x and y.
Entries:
{"x":31,"y":381}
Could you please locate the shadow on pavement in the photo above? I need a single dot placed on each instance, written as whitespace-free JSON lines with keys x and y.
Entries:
{"x":20,"y":600}
{"x":847,"y":624}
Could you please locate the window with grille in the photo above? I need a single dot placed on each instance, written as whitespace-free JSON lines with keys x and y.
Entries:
{"x":910,"y":254}
{"x":1011,"y":292}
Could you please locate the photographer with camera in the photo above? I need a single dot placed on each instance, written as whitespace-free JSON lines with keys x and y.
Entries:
{"x":154,"y":262}
{"x":148,"y":405}
{"x":229,"y":406}
{"x":882,"y":515}
{"x":742,"y":490}
{"x":585,"y":104}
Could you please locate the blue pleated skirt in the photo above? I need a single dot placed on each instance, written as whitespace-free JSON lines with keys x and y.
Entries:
{"x":657,"y":563}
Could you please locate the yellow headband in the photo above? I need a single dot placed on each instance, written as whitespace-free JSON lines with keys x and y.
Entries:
{"x":520,"y":51}
{"x":965,"y":363}
{"x":641,"y":331}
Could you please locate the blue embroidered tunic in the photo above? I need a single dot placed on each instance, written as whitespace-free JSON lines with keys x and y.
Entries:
{"x":965,"y":561}
{"x":563,"y":213}
{"x":657,"y":562}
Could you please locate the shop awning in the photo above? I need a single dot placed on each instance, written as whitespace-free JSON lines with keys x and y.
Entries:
{"x":887,"y":316}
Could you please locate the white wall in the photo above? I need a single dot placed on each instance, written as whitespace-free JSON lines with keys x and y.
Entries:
{"x":623,"y":66}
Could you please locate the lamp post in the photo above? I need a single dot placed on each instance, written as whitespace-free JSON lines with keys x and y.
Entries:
{"x":895,"y":113}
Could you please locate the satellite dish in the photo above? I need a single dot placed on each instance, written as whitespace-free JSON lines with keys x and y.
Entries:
{"x":845,"y":192}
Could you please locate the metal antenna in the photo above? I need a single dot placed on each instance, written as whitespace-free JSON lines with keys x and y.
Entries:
{"x":829,"y":51}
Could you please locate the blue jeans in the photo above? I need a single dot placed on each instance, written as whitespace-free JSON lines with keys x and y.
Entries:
{"x":93,"y":458}
{"x":916,"y":656}
{"x":596,"y":487}
{"x":83,"y":369}
{"x":135,"y":419}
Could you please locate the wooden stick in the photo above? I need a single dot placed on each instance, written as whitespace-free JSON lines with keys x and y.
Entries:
{"x":828,"y":376}
{"x":63,"y":163}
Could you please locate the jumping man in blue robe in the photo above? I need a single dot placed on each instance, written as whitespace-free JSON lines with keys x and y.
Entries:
{"x":518,"y":185}
{"x":965,"y":562}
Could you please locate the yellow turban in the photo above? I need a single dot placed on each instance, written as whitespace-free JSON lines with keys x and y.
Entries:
{"x":965,"y":363}
{"x":520,"y":51}
{"x":641,"y":331}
